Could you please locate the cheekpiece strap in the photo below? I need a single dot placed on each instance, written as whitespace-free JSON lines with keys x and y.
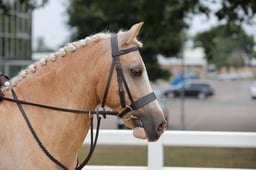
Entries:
{"x":116,"y":53}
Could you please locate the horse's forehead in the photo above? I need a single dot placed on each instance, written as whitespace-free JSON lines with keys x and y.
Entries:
{"x":133,"y":58}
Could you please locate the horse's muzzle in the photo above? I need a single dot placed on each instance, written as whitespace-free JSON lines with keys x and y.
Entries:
{"x":151,"y":130}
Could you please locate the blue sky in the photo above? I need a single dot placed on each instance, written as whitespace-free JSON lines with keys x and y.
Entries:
{"x":49,"y":22}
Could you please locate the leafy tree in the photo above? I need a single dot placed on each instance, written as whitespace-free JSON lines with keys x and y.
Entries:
{"x":161,"y":32}
{"x":164,"y":22}
{"x":236,"y":11}
{"x":223,"y":43}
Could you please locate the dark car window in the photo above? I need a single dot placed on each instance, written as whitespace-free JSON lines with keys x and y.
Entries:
{"x":197,"y":89}
{"x":201,"y":85}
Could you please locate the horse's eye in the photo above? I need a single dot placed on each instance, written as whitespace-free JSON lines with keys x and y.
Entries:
{"x":136,"y":71}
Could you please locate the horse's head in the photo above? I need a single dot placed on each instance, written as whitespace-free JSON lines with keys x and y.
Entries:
{"x":129,"y":87}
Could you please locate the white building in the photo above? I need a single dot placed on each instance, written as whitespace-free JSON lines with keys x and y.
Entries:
{"x":194,"y":60}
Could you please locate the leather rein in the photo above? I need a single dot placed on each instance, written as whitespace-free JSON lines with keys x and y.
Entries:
{"x":116,"y":53}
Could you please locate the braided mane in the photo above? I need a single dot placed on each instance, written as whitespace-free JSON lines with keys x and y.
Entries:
{"x":62,"y":52}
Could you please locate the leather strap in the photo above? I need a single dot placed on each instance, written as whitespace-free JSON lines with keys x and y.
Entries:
{"x":35,"y":136}
{"x":116,"y":53}
{"x":115,"y":50}
{"x":139,"y":103}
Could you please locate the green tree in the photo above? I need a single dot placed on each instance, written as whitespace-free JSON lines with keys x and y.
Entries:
{"x":223,"y":43}
{"x":236,"y":11}
{"x":164,"y":21}
{"x":161,"y":32}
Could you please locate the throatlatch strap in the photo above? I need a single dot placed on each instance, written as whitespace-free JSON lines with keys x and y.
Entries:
{"x":139,"y":103}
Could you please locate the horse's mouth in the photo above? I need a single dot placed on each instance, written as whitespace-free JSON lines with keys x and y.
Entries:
{"x":140,"y":132}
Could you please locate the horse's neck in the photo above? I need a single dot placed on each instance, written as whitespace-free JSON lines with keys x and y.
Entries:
{"x":65,"y":83}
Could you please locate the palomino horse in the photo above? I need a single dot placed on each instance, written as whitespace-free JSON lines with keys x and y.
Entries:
{"x":79,"y":76}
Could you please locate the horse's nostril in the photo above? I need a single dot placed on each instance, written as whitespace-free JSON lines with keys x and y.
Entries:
{"x":162,"y":127}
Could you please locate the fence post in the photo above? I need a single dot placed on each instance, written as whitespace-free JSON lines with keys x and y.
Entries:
{"x":155,"y":155}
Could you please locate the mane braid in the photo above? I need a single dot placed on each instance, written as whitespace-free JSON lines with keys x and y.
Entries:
{"x":62,"y":52}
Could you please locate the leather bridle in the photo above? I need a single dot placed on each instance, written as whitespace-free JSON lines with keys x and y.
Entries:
{"x":116,"y":53}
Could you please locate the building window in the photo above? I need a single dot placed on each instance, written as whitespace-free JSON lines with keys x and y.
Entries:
{"x":15,"y":33}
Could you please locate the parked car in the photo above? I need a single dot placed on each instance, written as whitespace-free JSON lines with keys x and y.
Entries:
{"x":253,"y":90}
{"x":199,"y":89}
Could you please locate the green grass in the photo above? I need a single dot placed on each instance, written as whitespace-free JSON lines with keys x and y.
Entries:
{"x":210,"y":157}
{"x":174,"y":156}
{"x":116,"y":155}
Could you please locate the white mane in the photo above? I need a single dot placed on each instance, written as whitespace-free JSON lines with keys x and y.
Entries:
{"x":62,"y":52}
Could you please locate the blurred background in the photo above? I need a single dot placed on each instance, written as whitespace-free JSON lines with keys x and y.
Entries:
{"x":200,"y":54}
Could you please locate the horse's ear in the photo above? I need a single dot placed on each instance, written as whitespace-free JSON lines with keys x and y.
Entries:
{"x":133,"y":32}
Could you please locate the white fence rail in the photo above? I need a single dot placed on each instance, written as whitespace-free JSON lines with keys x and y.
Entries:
{"x":172,"y":138}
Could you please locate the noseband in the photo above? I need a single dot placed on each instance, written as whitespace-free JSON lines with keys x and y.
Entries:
{"x":116,"y":53}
